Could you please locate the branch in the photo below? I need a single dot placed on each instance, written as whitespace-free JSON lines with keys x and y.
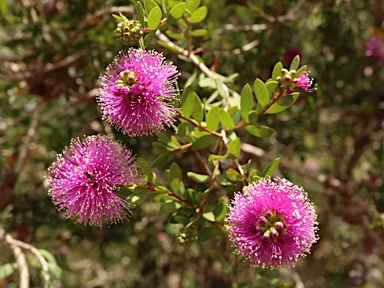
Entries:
{"x":28,"y":137}
{"x":21,"y":261}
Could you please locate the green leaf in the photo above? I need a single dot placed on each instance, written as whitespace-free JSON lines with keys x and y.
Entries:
{"x":246,"y":102}
{"x":253,"y":116}
{"x":271,"y":168}
{"x":217,"y":157}
{"x":162,"y":137}
{"x":204,"y":141}
{"x":187,"y":101}
{"x":175,"y":35}
{"x":7,"y":269}
{"x":199,"y":178}
{"x":207,"y":233}
{"x":138,"y":196}
{"x":193,"y":4}
{"x":272,"y":86}
{"x":285,"y":100}
{"x":259,"y":131}
{"x":209,"y":216}
{"x":197,"y":112}
{"x":277,"y":71}
{"x":161,"y":160}
{"x":176,"y":12}
{"x":220,"y":210}
{"x":222,"y":88}
{"x":277,"y":108}
{"x":140,"y":13}
{"x":148,"y":38}
{"x":175,"y":141}
{"x":117,"y":17}
{"x":160,"y":146}
{"x":226,"y":119}
{"x":150,"y":4}
{"x":199,"y":33}
{"x":261,"y":91}
{"x":253,"y":176}
{"x":168,"y":207}
{"x":213,"y":118}
{"x":3,"y":7}
{"x":175,"y":177}
{"x":233,"y":175}
{"x":198,"y":15}
{"x":234,"y":148}
{"x":146,"y":168}
{"x":154,"y":18}
{"x":301,"y":70}
{"x":295,"y":63}
{"x":181,"y":219}
{"x":184,"y":129}
{"x":55,"y":270}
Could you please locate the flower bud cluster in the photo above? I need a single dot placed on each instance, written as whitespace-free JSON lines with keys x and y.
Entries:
{"x":128,"y":32}
{"x":187,"y":236}
{"x":270,"y":225}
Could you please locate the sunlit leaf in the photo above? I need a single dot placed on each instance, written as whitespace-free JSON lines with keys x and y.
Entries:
{"x":199,"y":33}
{"x":277,"y":71}
{"x":295,"y":63}
{"x":154,"y":18}
{"x":198,"y":15}
{"x":213,"y":118}
{"x":261,"y":92}
{"x":259,"y":131}
{"x":246,"y":101}
{"x":271,"y":168}
{"x":234,"y":148}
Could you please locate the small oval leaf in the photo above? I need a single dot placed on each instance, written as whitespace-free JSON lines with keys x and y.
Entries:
{"x":261,"y":91}
{"x":154,"y":18}
{"x":198,"y":15}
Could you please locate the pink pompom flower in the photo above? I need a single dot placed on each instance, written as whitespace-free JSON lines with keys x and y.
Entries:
{"x":138,"y":91}
{"x":85,"y":178}
{"x":272,"y":223}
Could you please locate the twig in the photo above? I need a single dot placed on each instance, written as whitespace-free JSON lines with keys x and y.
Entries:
{"x":28,"y":137}
{"x":21,"y":261}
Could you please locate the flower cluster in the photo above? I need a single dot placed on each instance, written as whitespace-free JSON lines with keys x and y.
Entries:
{"x":290,"y":80}
{"x":272,"y":224}
{"x":375,"y":49}
{"x":137,"y":92}
{"x":86,"y":177}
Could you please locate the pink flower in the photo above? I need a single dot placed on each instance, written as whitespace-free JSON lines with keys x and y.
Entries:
{"x":85,"y":178}
{"x":304,"y":82}
{"x":375,"y":48}
{"x":272,"y":224}
{"x":137,"y":92}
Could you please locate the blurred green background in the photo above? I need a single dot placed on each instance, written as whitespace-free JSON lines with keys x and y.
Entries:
{"x":331,"y":141}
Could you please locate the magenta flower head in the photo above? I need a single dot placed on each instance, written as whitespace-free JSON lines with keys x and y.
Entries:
{"x":272,"y":223}
{"x":289,"y":80}
{"x":375,"y":48}
{"x":85,"y":178}
{"x":304,"y":82}
{"x":137,"y":92}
